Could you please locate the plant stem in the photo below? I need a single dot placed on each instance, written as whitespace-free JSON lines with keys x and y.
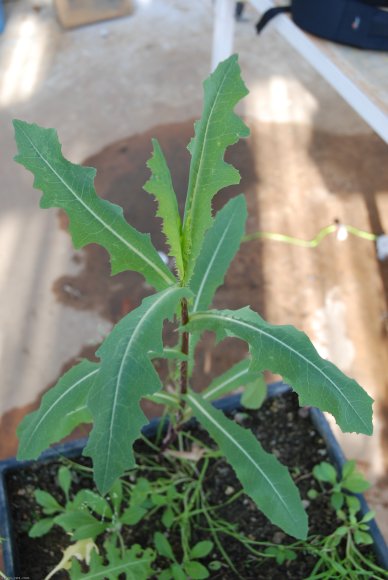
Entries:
{"x":185,"y":350}
{"x":183,"y":379}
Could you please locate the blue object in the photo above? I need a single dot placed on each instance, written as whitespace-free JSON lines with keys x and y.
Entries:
{"x":358,"y":23}
{"x":228,"y":404}
{"x":2,"y":20}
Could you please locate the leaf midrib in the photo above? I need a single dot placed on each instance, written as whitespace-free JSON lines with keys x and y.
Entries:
{"x":210,"y":265}
{"x":193,"y":196}
{"x":124,"y":357}
{"x":60,"y":398}
{"x":308,"y":361}
{"x":96,"y":216}
{"x":217,"y":388}
{"x":234,"y":442}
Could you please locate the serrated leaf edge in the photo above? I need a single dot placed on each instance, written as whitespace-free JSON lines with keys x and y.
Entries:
{"x":246,"y":324}
{"x":160,"y":272}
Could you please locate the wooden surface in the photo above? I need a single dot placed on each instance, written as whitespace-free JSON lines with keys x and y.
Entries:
{"x":72,"y":13}
{"x":365,"y":68}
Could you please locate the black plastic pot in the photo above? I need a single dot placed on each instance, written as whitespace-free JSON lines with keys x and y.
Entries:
{"x":230,"y":403}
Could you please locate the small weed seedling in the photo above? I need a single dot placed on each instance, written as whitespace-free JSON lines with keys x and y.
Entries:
{"x":174,"y":498}
{"x":108,"y":393}
{"x":334,"y":561}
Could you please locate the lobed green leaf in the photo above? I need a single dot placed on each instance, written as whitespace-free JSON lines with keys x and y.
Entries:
{"x":126,"y":376}
{"x":217,"y":129}
{"x":160,"y":185}
{"x":287,"y":351}
{"x":92,"y":219}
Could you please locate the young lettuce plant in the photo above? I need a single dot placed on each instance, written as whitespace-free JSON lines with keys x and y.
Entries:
{"x":108,"y":393}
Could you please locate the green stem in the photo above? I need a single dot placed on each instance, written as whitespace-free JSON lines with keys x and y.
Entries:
{"x":332,"y":228}
{"x":183,"y":379}
{"x":185,"y":351}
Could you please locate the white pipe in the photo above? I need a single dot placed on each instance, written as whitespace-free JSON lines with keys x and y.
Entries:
{"x":223,"y":31}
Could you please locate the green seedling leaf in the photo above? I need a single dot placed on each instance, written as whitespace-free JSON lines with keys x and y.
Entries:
{"x":71,"y":187}
{"x":47,"y":501}
{"x":126,"y":376}
{"x":287,"y":351}
{"x":290,"y":554}
{"x":74,"y":520}
{"x":356,"y":483}
{"x":238,"y":375}
{"x":348,"y":468}
{"x":263,"y":477}
{"x":325,"y":472}
{"x":132,"y":515}
{"x":134,"y":563}
{"x":215,"y":565}
{"x":353,"y":503}
{"x":141,"y":490}
{"x":168,"y":518}
{"x":201,"y":550}
{"x":337,"y":500}
{"x":90,"y":531}
{"x":64,"y":480}
{"x":341,"y":531}
{"x":158,"y":499}
{"x":62,"y":408}
{"x":255,"y":393}
{"x":163,"y":546}
{"x":221,"y":243}
{"x":116,"y":495}
{"x":341,"y":515}
{"x":218,"y":128}
{"x":362,"y":538}
{"x":160,"y":185}
{"x":281,"y":554}
{"x":352,"y":479}
{"x":368,"y":517}
{"x":196,"y":571}
{"x":177,"y":572}
{"x":41,"y":527}
{"x":86,"y":498}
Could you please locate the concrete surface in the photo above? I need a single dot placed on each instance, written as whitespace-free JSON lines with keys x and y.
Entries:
{"x":100,"y":83}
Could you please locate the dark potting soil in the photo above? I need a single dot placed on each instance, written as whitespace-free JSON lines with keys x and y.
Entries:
{"x":283,"y":429}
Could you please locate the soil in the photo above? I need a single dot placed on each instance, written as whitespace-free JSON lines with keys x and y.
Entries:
{"x":283,"y":429}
